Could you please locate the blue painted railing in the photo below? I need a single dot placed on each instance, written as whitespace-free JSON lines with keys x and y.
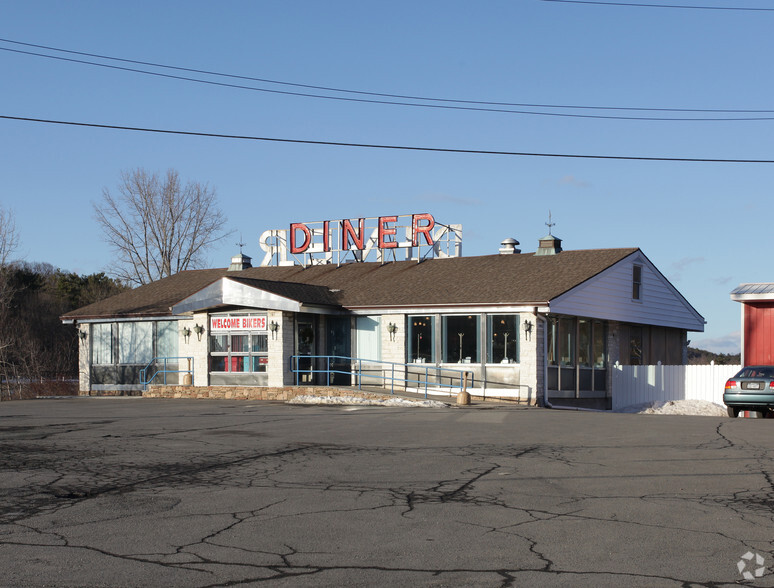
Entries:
{"x":358,"y":369}
{"x":164,"y":364}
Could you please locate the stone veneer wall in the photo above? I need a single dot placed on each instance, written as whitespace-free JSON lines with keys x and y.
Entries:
{"x":393,"y":349}
{"x":84,"y":353}
{"x":281,"y":346}
{"x":195,"y":348}
{"x":530,"y":359}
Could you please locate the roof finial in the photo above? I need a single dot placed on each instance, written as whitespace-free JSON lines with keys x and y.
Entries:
{"x":241,"y":243}
{"x":549,"y":224}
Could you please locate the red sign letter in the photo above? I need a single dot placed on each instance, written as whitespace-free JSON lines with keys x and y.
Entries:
{"x":385,"y":231}
{"x":347,"y":231}
{"x":307,"y":237}
{"x":424,"y":229}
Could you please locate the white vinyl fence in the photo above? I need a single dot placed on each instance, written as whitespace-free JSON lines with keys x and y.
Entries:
{"x":638,"y":384}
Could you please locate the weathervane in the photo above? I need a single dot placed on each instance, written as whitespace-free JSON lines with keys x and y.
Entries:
{"x":549,"y":224}
{"x":241,"y":244}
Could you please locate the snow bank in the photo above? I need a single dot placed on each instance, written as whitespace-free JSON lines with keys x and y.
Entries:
{"x":350,"y":400}
{"x":684,"y":407}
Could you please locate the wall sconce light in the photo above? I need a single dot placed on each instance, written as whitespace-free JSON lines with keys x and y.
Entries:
{"x":392,"y":328}
{"x":198,"y":329}
{"x":527,"y":326}
{"x":186,"y":334}
{"x":274,"y":327}
{"x":82,"y":335}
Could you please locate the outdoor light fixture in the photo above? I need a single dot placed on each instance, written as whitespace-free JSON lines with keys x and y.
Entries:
{"x":527,"y":327}
{"x":82,"y":335}
{"x":392,"y":328}
{"x":274,"y":327}
{"x":186,"y":334}
{"x":199,"y":329}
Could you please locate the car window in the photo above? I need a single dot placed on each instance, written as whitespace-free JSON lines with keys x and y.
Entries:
{"x":758,"y":372}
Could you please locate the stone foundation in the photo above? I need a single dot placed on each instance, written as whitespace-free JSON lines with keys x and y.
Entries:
{"x":255,"y":392}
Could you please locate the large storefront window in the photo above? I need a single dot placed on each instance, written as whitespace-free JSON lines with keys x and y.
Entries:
{"x":503,"y":338}
{"x":421,"y":341}
{"x":461,"y":339}
{"x":238,"y":343}
{"x":120,"y":351}
{"x":102,"y":344}
{"x":166,"y":339}
{"x":135,"y":343}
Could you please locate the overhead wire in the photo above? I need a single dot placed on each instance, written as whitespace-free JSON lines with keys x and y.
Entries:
{"x":384,"y":146}
{"x":648,"y":5}
{"x":437,"y":103}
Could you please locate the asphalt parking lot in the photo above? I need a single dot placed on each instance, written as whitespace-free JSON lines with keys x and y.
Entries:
{"x":141,"y":492}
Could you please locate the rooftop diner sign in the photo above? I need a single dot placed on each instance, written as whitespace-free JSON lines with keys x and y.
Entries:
{"x":383,"y":238}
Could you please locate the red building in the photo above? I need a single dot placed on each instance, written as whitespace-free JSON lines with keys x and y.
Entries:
{"x":757,"y":322}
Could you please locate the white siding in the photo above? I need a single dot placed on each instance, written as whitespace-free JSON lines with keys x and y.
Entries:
{"x":609,"y":296}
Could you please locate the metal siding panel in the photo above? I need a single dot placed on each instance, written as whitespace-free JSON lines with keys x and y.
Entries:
{"x":759,"y":334}
{"x":608,"y":296}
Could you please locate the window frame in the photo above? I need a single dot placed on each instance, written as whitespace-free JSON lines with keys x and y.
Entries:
{"x":448,"y":339}
{"x":637,"y":282}
{"x":244,"y":357}
{"x":513,"y":338}
{"x":417,"y":323}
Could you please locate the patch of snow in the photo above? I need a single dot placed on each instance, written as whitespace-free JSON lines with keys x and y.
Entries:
{"x":350,"y":400}
{"x":683,"y":407}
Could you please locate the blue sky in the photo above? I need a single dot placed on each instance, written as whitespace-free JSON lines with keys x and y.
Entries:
{"x":705,"y":225}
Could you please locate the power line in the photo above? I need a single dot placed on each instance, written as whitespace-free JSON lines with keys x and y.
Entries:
{"x":440,"y":103}
{"x":378,"y":146}
{"x":643,"y":5}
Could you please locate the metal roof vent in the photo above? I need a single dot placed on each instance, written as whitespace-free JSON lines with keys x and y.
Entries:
{"x":549,"y":245}
{"x":508,"y":246}
{"x":240,"y":262}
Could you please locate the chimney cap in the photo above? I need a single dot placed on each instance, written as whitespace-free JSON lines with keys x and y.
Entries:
{"x":508,"y":246}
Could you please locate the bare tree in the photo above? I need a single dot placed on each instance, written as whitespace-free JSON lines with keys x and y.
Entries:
{"x":9,"y":238}
{"x":158,"y":227}
{"x":9,"y":241}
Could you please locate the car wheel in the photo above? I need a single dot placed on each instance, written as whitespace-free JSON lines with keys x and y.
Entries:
{"x":733,"y":411}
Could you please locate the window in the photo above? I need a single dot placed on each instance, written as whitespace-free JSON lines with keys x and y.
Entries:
{"x":461,"y":339}
{"x":567,"y":345}
{"x":503,"y":338}
{"x":636,"y":282}
{"x":584,"y":343}
{"x":600,"y":345}
{"x":635,"y":345}
{"x":421,"y":340}
{"x":239,"y":351}
{"x":552,"y":327}
{"x":135,"y":343}
{"x":102,"y":344}
{"x":166,"y":339}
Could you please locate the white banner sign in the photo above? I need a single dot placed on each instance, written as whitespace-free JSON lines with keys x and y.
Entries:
{"x":237,"y":323}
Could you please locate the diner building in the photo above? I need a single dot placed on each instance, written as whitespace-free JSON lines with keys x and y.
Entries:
{"x":540,"y":326}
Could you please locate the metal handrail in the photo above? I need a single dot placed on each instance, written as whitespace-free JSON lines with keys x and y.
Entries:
{"x":165,"y":371}
{"x":356,"y":371}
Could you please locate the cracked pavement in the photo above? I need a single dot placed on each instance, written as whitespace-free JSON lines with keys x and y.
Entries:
{"x":204,"y":493}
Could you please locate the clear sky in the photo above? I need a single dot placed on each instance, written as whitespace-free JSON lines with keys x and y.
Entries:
{"x":706,"y":225}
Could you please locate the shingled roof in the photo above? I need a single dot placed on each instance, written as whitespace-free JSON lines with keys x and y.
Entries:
{"x":518,"y":279}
